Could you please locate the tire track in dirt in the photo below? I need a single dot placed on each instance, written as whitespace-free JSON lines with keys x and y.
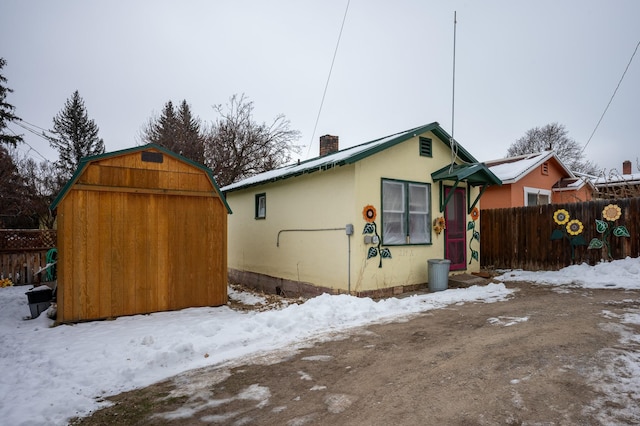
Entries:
{"x":539,"y":358}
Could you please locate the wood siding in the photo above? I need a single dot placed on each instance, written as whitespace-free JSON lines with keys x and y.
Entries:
{"x":521,"y":237}
{"x":137,"y":237}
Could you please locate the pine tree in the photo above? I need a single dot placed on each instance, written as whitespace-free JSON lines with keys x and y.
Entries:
{"x":76,"y":136}
{"x":190,"y":134}
{"x":6,"y":111}
{"x":177,"y":130}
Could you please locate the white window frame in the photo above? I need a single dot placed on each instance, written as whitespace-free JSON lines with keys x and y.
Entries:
{"x":407,"y":212}
{"x":535,"y":191}
{"x":261,"y":206}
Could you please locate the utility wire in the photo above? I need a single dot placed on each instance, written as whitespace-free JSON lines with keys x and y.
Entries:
{"x":335,"y":52}
{"x":612,"y":96}
{"x":31,"y":148}
{"x":29,"y":129}
{"x":33,"y":125}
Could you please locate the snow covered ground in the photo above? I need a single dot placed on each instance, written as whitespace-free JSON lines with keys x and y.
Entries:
{"x":50,"y":374}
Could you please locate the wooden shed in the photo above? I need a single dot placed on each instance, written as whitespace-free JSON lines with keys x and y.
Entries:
{"x":140,"y":230}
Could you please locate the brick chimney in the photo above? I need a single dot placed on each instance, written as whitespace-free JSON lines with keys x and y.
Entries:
{"x":328,"y":145}
{"x":626,"y":167}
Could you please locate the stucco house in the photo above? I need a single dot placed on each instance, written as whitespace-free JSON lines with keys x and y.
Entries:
{"x":363,"y":220}
{"x":533,"y":179}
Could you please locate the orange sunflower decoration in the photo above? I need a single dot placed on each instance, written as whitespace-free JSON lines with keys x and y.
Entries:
{"x":369,"y":213}
{"x":475,"y":213}
{"x":439,"y":225}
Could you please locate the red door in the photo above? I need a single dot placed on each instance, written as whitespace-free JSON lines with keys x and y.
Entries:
{"x":455,"y":234}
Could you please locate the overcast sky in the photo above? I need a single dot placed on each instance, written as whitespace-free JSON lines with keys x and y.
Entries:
{"x":518,"y":65}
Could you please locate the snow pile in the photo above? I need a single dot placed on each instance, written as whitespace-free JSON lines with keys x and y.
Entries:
{"x":50,"y":374}
{"x":623,"y":274}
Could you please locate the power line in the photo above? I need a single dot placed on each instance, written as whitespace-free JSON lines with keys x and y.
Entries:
{"x":31,"y":148}
{"x":335,"y":52}
{"x":33,"y":125}
{"x":612,"y":96}
{"x":42,"y":135}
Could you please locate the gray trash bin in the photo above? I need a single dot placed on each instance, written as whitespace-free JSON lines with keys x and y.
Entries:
{"x":438,"y":274}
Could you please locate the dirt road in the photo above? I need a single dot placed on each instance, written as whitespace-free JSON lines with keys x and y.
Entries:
{"x":538,"y":359}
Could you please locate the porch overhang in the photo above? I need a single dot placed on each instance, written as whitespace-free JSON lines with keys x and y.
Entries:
{"x":474,"y":174}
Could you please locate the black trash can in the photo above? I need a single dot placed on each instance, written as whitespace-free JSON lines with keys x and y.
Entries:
{"x":39,"y":300}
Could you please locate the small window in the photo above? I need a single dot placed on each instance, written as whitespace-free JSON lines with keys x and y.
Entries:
{"x":545,"y":168}
{"x":536,"y":196}
{"x":425,"y":147}
{"x":261,"y":206}
{"x":151,"y":157}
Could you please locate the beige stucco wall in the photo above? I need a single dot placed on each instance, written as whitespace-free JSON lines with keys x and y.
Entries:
{"x":408,"y":265}
{"x":321,"y":200}
{"x":332,"y":199}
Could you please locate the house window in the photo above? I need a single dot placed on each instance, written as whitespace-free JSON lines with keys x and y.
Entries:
{"x":406,"y":210}
{"x":261,"y":206}
{"x":425,"y":147}
{"x":545,"y":168}
{"x":536,"y":196}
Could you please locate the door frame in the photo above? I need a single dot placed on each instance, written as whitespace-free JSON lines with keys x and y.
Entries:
{"x":461,"y":215}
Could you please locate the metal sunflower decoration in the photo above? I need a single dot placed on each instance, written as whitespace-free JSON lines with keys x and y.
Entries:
{"x":369,"y":214}
{"x":606,"y":227}
{"x":471,"y":226}
{"x":569,"y":229}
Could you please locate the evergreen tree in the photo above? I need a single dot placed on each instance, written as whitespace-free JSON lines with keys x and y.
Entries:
{"x":76,"y":136}
{"x":6,"y":111}
{"x":177,"y":130}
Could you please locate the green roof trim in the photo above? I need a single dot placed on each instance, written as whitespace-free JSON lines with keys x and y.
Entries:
{"x":87,"y":160}
{"x":344,"y":156}
{"x":475,"y":174}
{"x":408,"y":134}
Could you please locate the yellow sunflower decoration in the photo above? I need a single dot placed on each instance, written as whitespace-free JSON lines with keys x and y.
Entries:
{"x":369,"y":213}
{"x":561,"y":216}
{"x":575,"y":227}
{"x":439,"y":224}
{"x":612,"y":212}
{"x":569,"y":230}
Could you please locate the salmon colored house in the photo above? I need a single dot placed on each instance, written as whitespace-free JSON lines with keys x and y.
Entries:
{"x":533,"y":179}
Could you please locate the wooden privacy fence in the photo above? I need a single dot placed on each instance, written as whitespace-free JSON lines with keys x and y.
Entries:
{"x":520,"y":238}
{"x":23,"y":253}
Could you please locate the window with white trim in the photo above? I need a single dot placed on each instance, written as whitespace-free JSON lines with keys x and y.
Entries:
{"x":536,"y":196}
{"x":406,"y":216}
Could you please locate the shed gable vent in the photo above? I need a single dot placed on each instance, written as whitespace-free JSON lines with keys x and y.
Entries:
{"x":152,"y":157}
{"x":425,"y":147}
{"x":545,"y":168}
